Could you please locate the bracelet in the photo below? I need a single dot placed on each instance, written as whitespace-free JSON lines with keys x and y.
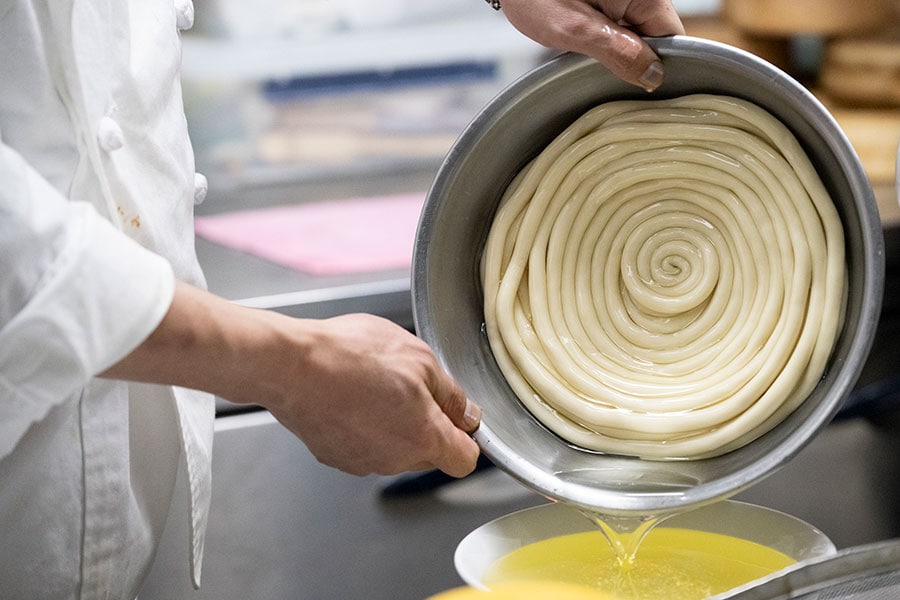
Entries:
{"x":495,"y":4}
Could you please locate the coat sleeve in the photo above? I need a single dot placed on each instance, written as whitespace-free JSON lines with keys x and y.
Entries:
{"x":76,"y":295}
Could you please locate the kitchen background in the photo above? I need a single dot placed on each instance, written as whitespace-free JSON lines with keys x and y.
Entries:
{"x":320,"y":124}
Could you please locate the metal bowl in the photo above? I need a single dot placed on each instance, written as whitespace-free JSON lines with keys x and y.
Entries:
{"x":447,"y":294}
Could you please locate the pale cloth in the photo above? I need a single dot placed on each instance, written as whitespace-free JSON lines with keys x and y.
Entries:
{"x":96,"y":206}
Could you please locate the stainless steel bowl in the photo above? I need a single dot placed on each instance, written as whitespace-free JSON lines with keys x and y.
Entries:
{"x":447,"y":295}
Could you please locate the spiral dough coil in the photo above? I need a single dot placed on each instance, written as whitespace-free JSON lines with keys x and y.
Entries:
{"x":666,"y":279}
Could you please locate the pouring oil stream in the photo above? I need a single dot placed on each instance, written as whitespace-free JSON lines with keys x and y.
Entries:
{"x":624,"y":534}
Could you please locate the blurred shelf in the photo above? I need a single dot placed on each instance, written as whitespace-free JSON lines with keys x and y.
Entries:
{"x":487,"y":37}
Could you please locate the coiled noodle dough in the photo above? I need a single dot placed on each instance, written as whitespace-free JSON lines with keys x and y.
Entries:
{"x":666,"y":279}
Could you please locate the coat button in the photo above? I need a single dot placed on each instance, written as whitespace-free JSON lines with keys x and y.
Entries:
{"x":109,"y":134}
{"x":184,"y":14}
{"x":201,"y":186}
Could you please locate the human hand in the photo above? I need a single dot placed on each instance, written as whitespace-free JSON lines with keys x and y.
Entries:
{"x":364,"y":395}
{"x":369,"y":397}
{"x":606,"y":30}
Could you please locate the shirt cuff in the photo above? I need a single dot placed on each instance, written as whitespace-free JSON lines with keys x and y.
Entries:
{"x":102,"y":295}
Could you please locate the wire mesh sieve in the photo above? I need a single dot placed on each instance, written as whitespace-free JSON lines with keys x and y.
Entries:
{"x":870,"y":572}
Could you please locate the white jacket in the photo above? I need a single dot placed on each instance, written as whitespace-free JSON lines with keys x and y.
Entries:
{"x":97,"y":188}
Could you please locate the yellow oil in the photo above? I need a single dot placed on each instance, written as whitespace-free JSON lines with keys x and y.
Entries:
{"x":670,"y":564}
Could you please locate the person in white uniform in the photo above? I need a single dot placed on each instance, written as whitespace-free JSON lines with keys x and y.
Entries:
{"x":111,"y":351}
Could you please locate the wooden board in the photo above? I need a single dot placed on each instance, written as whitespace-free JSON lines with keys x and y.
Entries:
{"x":772,"y":49}
{"x":863,"y":71}
{"x":789,"y":17}
{"x":875,"y":135}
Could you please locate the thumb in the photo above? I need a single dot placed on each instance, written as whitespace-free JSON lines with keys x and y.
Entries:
{"x":449,"y":396}
{"x":583,"y":27}
{"x":617,"y":43}
{"x":458,"y":453}
{"x":625,"y":54}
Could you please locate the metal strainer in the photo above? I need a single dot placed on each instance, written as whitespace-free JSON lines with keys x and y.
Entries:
{"x":447,"y":299}
{"x":870,"y":572}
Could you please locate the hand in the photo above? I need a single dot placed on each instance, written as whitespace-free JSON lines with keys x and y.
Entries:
{"x":362,"y":393}
{"x":369,"y":397}
{"x":606,"y":30}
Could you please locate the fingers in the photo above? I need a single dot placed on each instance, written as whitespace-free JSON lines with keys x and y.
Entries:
{"x":623,"y":51}
{"x":460,"y":455}
{"x":649,"y":17}
{"x":457,"y":453}
{"x":619,"y":49}
{"x":464,"y":413}
{"x":628,"y":57}
{"x":606,"y":30}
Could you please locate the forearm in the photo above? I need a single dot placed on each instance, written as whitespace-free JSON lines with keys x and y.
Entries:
{"x":207,"y":343}
{"x":364,"y":394}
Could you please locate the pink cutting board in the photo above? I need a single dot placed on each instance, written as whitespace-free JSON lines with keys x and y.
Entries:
{"x":324,"y":238}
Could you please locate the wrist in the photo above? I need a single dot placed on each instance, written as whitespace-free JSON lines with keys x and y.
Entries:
{"x":203,"y":342}
{"x":244,"y":357}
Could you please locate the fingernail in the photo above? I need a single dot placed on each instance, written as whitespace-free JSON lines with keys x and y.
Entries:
{"x":652,"y":77}
{"x":472,"y":416}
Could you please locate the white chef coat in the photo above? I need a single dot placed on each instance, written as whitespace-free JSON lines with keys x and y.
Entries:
{"x":97,"y":187}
